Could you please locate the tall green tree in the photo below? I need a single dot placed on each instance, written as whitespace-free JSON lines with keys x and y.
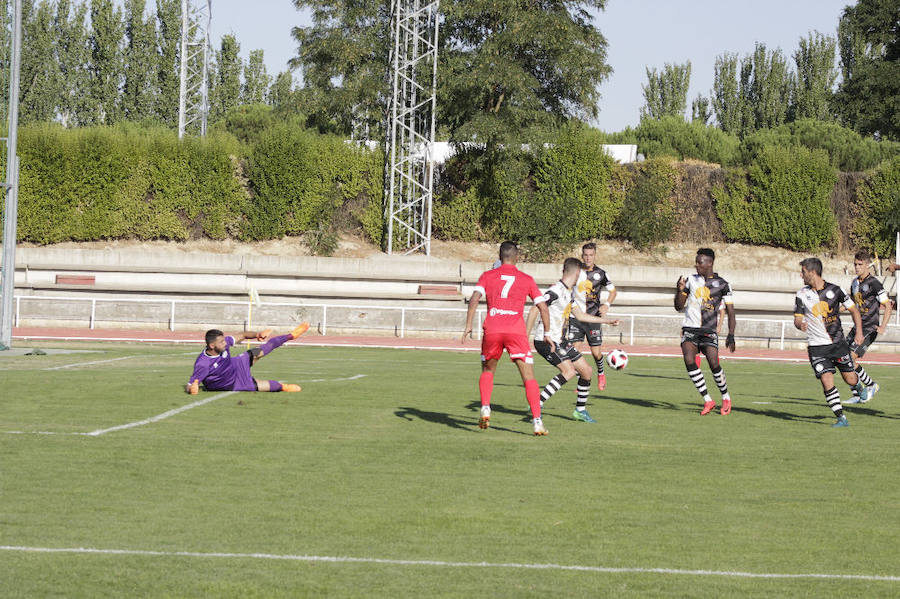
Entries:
{"x":770,"y":88}
{"x":168,"y":20}
{"x":666,"y":92}
{"x":816,"y":74}
{"x":700,"y":109}
{"x":138,"y":94}
{"x":107,"y":30}
{"x":279,"y":93}
{"x":727,"y":103}
{"x":40,"y":78}
{"x":256,"y":80}
{"x":228,"y":78}
{"x":75,"y":103}
{"x":868,"y":98}
{"x":507,"y":70}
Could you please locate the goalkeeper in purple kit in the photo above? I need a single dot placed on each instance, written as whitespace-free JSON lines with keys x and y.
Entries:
{"x":218,"y":370}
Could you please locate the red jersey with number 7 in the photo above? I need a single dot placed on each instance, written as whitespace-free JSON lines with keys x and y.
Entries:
{"x":505,"y":290}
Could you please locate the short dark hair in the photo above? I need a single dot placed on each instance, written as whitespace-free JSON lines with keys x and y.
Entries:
{"x":508,"y":250}
{"x":708,"y":252}
{"x":812,"y":265}
{"x":212,"y":335}
{"x":589,"y":246}
{"x":571,"y":264}
{"x":863,"y":255}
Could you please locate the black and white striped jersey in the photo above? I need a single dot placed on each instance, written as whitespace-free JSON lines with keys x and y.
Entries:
{"x":559,"y":304}
{"x":821,"y":313}
{"x":701,"y":310}
{"x":592,"y":282}
{"x":868,"y":295}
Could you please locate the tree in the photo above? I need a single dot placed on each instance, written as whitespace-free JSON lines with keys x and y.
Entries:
{"x":140,"y":62}
{"x":75,"y":104}
{"x":816,"y":75}
{"x":40,"y":78}
{"x":107,"y":29}
{"x":508,"y":70}
{"x":868,"y":98}
{"x":228,"y":78}
{"x":666,"y":93}
{"x":256,"y":80}
{"x":168,"y":18}
{"x":725,"y":96}
{"x":770,"y":88}
{"x":279,"y":94}
{"x":700,"y":109}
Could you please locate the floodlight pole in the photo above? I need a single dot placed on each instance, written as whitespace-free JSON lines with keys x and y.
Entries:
{"x":11,"y":186}
{"x":193,"y":80}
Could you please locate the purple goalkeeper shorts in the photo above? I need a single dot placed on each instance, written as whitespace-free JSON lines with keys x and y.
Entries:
{"x":242,"y":379}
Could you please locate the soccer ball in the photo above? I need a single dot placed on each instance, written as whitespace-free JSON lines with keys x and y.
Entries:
{"x":617,"y":359}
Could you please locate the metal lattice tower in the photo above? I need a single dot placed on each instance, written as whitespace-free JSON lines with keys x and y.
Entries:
{"x":414,"y":27}
{"x":193,"y":90}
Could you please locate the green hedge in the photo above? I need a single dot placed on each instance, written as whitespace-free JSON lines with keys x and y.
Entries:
{"x":301,"y":180}
{"x":782,"y":199}
{"x":847,"y":150}
{"x":649,"y":210}
{"x":879,"y":199}
{"x":125,"y":182}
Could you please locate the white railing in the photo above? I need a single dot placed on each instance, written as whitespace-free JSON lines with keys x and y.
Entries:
{"x":786,"y":331}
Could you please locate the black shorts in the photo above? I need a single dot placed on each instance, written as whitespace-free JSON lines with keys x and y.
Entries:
{"x":564,"y":351}
{"x":868,"y":339}
{"x":578,"y":331}
{"x":700,"y":337}
{"x":825,"y":358}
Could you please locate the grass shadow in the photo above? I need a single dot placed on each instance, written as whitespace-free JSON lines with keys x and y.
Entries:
{"x":445,"y":419}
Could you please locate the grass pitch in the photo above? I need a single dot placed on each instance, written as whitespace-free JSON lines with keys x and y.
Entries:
{"x":258,"y":495}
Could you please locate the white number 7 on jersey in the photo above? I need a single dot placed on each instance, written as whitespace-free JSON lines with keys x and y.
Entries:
{"x":510,"y":279}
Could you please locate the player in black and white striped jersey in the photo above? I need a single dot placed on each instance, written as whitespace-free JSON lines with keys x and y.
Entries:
{"x":817,"y":313}
{"x":869,"y":296}
{"x":699,"y":295}
{"x":569,"y":361}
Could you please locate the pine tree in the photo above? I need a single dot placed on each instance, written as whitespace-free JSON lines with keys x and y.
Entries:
{"x":107,"y":29}
{"x":256,"y":80}
{"x":138,"y":94}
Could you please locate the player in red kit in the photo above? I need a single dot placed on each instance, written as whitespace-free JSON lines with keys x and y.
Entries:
{"x":505,"y":290}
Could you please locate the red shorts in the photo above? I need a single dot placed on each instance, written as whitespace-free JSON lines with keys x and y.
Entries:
{"x":493,"y":344}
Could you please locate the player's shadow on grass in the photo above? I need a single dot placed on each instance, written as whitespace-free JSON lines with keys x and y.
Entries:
{"x":655,"y":376}
{"x":868,"y":411}
{"x":641,"y":403}
{"x":445,"y":419}
{"x":770,"y":413}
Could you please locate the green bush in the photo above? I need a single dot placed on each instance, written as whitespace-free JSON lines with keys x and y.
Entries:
{"x":648,"y":213}
{"x":302,"y":179}
{"x":673,"y":136}
{"x":879,"y":199}
{"x":457,"y":216}
{"x":124,"y":181}
{"x":847,"y":150}
{"x":783,"y":200}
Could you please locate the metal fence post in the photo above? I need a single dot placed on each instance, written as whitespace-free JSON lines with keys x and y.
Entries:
{"x":172,"y":317}
{"x":782,"y":336}
{"x":93,"y":312}
{"x":324,"y":320}
{"x":18,"y":307}
{"x":402,"y":321}
{"x":631,"y":333}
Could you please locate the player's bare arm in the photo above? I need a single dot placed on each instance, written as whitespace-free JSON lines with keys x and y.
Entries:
{"x":605,"y":306}
{"x":470,"y":315}
{"x":857,"y":322}
{"x":585,"y":317}
{"x":545,"y":318}
{"x":885,"y":318}
{"x":799,"y":322}
{"x":681,"y":293}
{"x":531,"y":319}
{"x":732,"y":323}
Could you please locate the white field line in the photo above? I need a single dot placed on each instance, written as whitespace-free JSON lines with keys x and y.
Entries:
{"x":137,"y":423}
{"x":447,"y":564}
{"x":116,"y":360}
{"x":349,"y":378}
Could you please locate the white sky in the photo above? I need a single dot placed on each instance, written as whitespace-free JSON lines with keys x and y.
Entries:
{"x":641,"y":33}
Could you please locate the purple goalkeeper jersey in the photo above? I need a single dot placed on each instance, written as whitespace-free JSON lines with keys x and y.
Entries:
{"x":216,"y":372}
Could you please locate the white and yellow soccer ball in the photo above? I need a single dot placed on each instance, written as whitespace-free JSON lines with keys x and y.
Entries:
{"x":617,"y":359}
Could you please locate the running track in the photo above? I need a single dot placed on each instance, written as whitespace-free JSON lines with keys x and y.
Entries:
{"x":31,"y":334}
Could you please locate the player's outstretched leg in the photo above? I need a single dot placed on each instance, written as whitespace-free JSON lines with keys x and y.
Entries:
{"x":299,"y":330}
{"x":583,"y":389}
{"x":696,"y":376}
{"x":553,"y":386}
{"x":601,"y":375}
{"x":276,"y":386}
{"x":867,"y":381}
